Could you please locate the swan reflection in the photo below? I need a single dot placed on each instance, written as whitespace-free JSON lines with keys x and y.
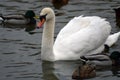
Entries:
{"x":61,"y":70}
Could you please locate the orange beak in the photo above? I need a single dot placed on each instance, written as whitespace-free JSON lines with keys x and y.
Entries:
{"x":40,"y":23}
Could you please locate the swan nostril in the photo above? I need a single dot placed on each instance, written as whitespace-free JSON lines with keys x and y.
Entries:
{"x":38,"y":27}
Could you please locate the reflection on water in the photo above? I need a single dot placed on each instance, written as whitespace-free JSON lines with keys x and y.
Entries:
{"x":63,"y":71}
{"x":116,"y":71}
{"x":48,"y":71}
{"x":27,"y":28}
{"x":59,"y":70}
{"x":20,"y":44}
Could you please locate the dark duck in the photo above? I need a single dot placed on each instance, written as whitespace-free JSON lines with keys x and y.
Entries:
{"x":105,"y":58}
{"x":117,"y":14}
{"x":27,"y":18}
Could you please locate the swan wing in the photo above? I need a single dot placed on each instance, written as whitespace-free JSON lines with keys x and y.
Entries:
{"x":82,"y":35}
{"x":73,"y":26}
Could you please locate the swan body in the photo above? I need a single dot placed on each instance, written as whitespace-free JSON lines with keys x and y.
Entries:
{"x":27,"y":18}
{"x":81,"y":36}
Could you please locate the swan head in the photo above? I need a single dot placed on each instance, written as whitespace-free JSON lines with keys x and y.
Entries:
{"x":46,"y":14}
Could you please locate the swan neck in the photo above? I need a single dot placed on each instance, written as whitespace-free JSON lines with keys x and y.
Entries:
{"x":48,"y":40}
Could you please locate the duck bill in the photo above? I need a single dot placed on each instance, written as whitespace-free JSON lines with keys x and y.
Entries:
{"x":40,"y":23}
{"x":36,"y":17}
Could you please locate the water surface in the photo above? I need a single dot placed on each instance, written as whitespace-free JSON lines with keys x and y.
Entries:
{"x":20,"y":44}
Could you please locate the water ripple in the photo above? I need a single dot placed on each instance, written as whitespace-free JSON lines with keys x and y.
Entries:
{"x":20,"y":46}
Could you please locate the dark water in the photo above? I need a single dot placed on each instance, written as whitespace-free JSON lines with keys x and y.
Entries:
{"x":20,"y":48}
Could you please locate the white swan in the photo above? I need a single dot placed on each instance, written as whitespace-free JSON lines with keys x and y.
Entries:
{"x":81,"y":36}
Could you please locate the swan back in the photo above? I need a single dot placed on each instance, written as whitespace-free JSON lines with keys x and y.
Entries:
{"x":78,"y":24}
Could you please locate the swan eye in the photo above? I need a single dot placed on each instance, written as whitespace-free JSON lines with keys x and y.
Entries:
{"x":42,"y":17}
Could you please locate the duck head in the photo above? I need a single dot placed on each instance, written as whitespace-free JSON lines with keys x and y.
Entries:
{"x":29,"y":14}
{"x":115,"y":57}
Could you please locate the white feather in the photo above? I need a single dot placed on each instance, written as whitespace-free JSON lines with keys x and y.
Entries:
{"x":112,"y":39}
{"x":81,"y":36}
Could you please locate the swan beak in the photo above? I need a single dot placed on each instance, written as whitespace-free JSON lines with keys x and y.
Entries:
{"x":40,"y":23}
